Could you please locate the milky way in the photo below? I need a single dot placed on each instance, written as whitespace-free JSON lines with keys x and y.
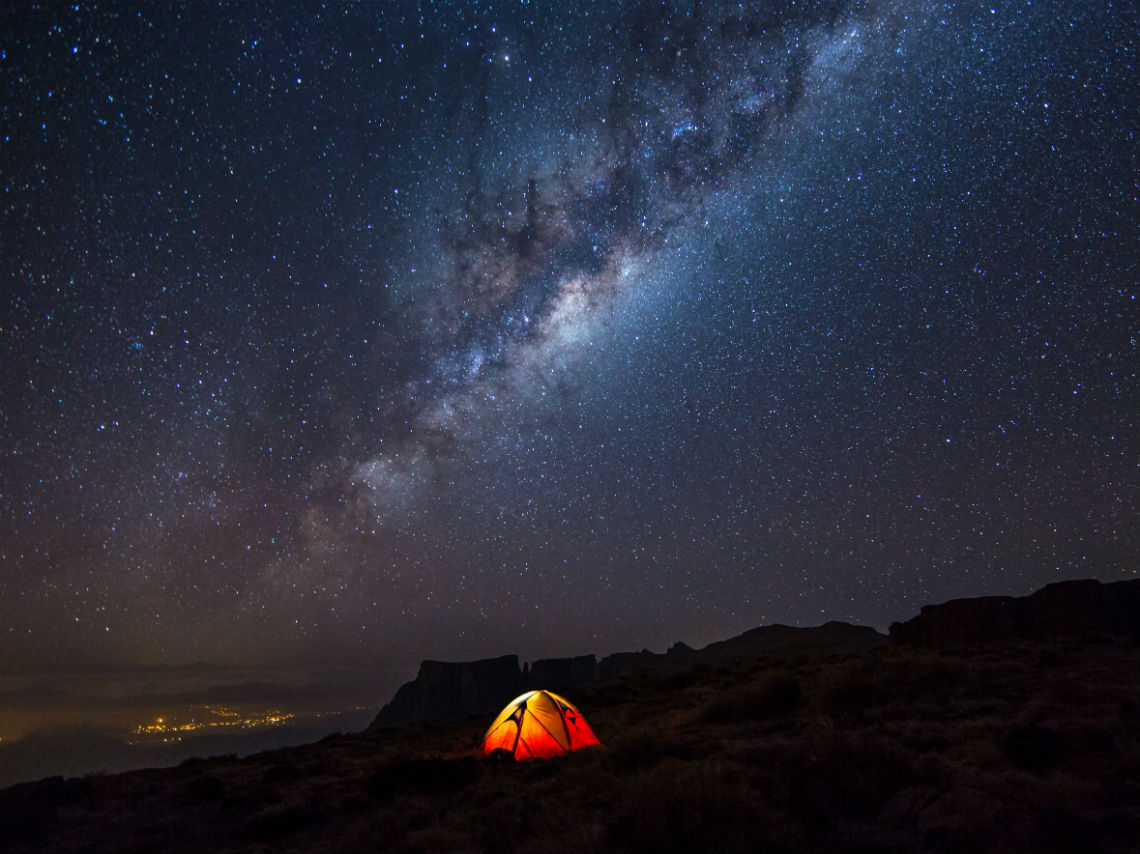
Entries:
{"x":528,"y":273}
{"x":383,"y":333}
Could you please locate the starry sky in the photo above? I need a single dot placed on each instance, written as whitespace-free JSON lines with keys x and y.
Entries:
{"x":372,"y":332}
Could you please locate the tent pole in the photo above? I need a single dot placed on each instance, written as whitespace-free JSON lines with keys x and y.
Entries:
{"x":520,"y":711}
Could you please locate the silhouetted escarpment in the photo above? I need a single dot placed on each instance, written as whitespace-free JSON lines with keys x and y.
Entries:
{"x":450,"y":691}
{"x":1078,"y":609}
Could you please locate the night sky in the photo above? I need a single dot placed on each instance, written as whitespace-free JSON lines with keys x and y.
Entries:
{"x":385,"y":331}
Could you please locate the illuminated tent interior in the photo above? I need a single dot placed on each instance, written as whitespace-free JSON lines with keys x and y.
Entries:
{"x":536,"y":725}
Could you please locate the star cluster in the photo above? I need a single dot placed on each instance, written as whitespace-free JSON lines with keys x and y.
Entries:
{"x":404,"y":330}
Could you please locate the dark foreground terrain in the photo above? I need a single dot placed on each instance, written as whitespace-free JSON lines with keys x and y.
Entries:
{"x":1007,"y":746}
{"x":991,"y":724}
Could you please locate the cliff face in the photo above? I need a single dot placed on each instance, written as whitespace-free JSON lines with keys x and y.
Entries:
{"x":450,"y":691}
{"x":1066,"y":609}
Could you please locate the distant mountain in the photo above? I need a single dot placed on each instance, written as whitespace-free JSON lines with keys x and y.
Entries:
{"x":446,"y":691}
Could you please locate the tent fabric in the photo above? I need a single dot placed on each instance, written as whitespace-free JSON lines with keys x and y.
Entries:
{"x":537,"y":725}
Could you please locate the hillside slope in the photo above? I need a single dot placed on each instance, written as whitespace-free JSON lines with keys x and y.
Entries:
{"x":1010,"y":745}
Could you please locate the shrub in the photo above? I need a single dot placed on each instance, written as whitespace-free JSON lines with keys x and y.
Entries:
{"x":209,"y":788}
{"x":422,"y":776}
{"x":775,"y":697}
{"x":850,"y":778}
{"x":285,"y":773}
{"x":686,"y":808}
{"x":277,"y":823}
{"x":847,"y":698}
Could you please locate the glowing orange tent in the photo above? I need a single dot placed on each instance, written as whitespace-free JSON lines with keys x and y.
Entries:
{"x":536,"y":725}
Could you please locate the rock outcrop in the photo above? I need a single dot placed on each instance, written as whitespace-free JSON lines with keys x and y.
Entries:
{"x":1077,"y":609}
{"x":450,"y":691}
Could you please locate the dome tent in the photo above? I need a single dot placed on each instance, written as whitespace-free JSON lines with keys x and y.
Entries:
{"x":536,"y":725}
